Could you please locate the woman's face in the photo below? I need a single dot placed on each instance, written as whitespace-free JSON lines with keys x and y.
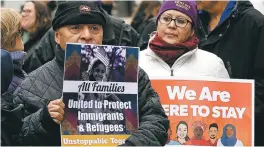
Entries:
{"x":28,"y":16}
{"x":182,"y":131}
{"x":198,"y":132}
{"x":99,"y":72}
{"x":19,"y":44}
{"x":229,"y":132}
{"x":170,"y":32}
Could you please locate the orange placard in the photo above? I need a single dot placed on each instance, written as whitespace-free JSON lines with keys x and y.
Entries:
{"x":208,"y":112}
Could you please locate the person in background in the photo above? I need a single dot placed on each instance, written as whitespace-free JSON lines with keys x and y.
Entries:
{"x":145,"y":35}
{"x":11,"y":115}
{"x":45,"y":110}
{"x":11,"y":41}
{"x":173,"y":48}
{"x":146,"y":11}
{"x":234,"y":31}
{"x":52,"y":6}
{"x":107,"y":5}
{"x":6,"y":70}
{"x":36,"y":20}
{"x":117,"y":33}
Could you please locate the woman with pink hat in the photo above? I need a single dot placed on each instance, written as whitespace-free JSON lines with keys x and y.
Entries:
{"x":173,"y":48}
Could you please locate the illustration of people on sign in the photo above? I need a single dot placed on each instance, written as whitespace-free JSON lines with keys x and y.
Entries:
{"x":182,"y":134}
{"x":229,"y":137}
{"x":198,"y":128}
{"x":213,"y":131}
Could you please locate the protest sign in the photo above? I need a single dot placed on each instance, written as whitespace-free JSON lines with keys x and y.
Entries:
{"x":208,"y":112}
{"x":100,"y":93}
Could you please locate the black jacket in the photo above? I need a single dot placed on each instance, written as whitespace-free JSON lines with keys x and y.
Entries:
{"x":11,"y":115}
{"x":139,"y":22}
{"x":11,"y":119}
{"x":45,"y":84}
{"x":145,"y":35}
{"x":30,"y":47}
{"x":239,"y":41}
{"x":117,"y":32}
{"x":19,"y":76}
{"x":7,"y":70}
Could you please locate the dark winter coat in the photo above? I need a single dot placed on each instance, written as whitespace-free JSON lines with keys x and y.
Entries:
{"x":145,"y":35}
{"x":6,"y":70}
{"x":19,"y":74}
{"x":30,"y":47}
{"x":11,"y":115}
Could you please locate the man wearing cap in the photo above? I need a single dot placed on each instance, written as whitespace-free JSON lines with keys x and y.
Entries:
{"x":79,"y":22}
{"x":117,"y":32}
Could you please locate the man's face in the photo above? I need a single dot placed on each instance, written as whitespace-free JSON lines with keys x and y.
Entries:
{"x":198,"y":133}
{"x":81,"y":33}
{"x":204,"y":5}
{"x":213,"y":132}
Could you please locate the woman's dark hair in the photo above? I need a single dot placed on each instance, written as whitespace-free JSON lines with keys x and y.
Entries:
{"x":184,"y":123}
{"x":91,"y":78}
{"x":144,"y":9}
{"x":151,"y":5}
{"x":43,"y":17}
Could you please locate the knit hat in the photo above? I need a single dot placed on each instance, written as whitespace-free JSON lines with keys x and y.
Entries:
{"x":187,"y":7}
{"x":199,"y":124}
{"x":78,"y":12}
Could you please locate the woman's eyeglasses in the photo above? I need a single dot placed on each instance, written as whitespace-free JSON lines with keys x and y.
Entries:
{"x":179,"y":22}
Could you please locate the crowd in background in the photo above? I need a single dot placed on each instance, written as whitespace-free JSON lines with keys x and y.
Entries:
{"x":203,"y":38}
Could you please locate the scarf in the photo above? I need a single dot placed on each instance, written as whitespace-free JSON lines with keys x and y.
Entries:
{"x":171,"y":52}
{"x":229,"y":141}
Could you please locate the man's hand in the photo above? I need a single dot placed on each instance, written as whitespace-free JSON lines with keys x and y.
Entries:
{"x":56,"y":110}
